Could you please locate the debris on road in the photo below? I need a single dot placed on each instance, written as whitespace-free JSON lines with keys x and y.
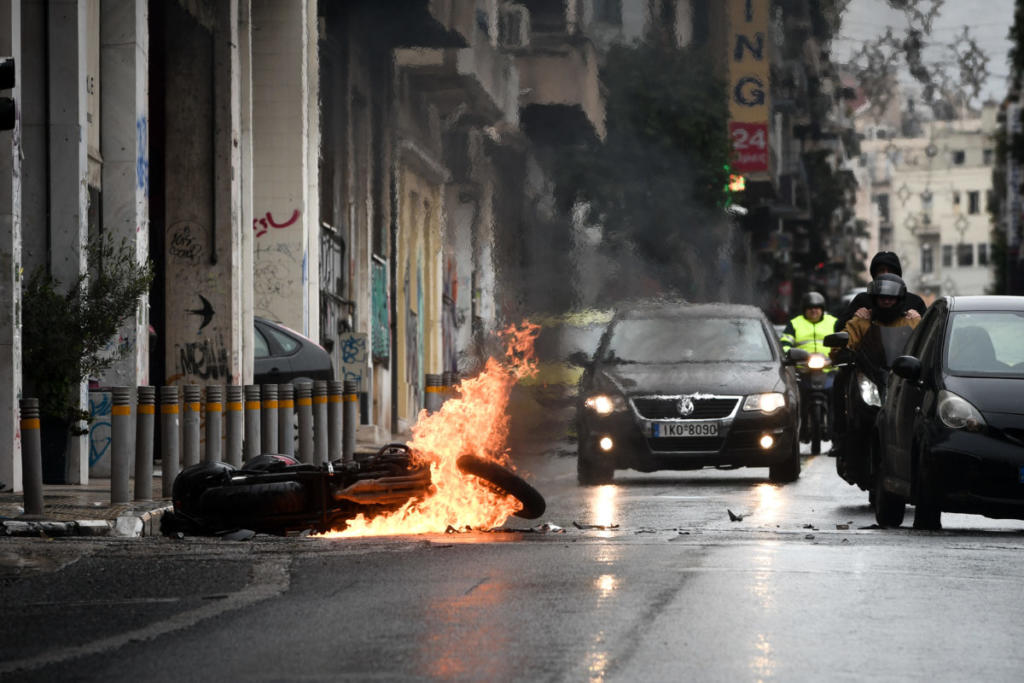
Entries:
{"x":733,"y":517}
{"x":598,"y":527}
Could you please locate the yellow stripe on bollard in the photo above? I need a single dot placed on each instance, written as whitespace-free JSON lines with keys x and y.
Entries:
{"x":147,"y":409}
{"x":351,"y":398}
{"x":169,"y":410}
{"x":234,"y":405}
{"x":286,"y":404}
{"x":305,"y":402}
{"x":214,"y":408}
{"x":30,"y":423}
{"x":435,"y":390}
{"x":194,"y":407}
{"x":319,"y":399}
{"x":270,"y":404}
{"x":252,"y":405}
{"x":121,"y":410}
{"x":334,"y":399}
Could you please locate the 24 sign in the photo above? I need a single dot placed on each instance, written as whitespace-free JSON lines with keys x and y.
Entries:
{"x":749,"y":146}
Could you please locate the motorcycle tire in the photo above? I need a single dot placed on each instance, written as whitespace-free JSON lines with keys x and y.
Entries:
{"x":507,"y":483}
{"x":817,"y":423}
{"x":249,"y":502}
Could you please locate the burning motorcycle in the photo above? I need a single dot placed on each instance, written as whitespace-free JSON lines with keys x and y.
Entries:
{"x":863,"y":376}
{"x":276,"y":494}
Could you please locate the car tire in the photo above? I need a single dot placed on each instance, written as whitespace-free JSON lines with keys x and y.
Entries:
{"x":788,"y":470}
{"x":588,"y":471}
{"x":889,"y":508}
{"x":927,"y":506}
{"x":248,"y":502}
{"x":506,"y":482}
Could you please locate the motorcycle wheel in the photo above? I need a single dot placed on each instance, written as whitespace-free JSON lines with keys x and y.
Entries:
{"x":507,"y":483}
{"x":817,"y":422}
{"x":246,"y":503}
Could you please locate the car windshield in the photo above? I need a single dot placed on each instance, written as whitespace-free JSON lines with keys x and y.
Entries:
{"x":986,"y":343}
{"x":687,"y":340}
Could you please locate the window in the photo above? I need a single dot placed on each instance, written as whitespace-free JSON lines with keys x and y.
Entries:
{"x":883,"y":207}
{"x":287,"y":344}
{"x":608,"y":11}
{"x":260,"y":347}
{"x":958,"y":157}
{"x":987,"y":157}
{"x":982,"y":254}
{"x":965,"y":254}
{"x":973,"y":201}
{"x":927,"y":261}
{"x":947,"y":255}
{"x":956,"y":200}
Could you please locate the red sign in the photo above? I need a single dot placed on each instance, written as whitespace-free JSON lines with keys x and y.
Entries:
{"x":749,"y":146}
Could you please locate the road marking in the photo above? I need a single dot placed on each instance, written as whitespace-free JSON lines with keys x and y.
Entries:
{"x":270,"y":578}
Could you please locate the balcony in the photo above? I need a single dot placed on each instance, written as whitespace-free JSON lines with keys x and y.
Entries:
{"x":479,"y":80}
{"x":560,"y":98}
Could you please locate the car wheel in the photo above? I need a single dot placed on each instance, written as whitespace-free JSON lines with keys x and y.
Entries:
{"x":590,"y":472}
{"x":927,"y":508}
{"x":889,"y":508}
{"x":788,"y":470}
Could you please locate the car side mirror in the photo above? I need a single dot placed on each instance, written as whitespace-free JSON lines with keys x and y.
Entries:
{"x":907,"y":367}
{"x":794,"y":356}
{"x":836,"y":340}
{"x":579,"y":358}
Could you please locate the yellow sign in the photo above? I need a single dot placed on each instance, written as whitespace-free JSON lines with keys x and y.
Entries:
{"x":749,"y":84}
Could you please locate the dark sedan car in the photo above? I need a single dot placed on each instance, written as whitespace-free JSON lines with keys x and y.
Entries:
{"x":686,"y":386}
{"x":951,"y":432}
{"x":283,"y":355}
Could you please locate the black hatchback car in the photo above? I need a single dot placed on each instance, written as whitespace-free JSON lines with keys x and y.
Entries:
{"x":950,"y":434}
{"x":283,"y":355}
{"x":678,"y":386}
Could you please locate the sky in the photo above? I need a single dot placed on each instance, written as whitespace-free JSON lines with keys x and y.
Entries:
{"x":989,"y":22}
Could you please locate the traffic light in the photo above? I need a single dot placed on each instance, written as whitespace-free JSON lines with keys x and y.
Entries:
{"x":7,"y":114}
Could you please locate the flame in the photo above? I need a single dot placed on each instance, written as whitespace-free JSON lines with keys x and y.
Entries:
{"x":475,"y":422}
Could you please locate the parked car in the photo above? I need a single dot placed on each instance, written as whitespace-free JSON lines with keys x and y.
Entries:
{"x":951,"y":432}
{"x":282,"y":355}
{"x":677,"y":386}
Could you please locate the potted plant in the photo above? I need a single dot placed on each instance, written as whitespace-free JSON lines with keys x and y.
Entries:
{"x":66,"y":335}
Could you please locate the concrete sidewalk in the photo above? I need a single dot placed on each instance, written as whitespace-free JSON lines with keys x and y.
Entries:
{"x":83,"y":510}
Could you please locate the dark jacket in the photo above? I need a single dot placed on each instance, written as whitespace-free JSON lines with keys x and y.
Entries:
{"x":863,"y":300}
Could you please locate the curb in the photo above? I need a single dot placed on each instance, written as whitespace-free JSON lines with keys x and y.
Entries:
{"x":126,"y":526}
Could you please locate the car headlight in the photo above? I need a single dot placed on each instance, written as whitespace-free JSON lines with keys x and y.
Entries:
{"x":957,"y":413}
{"x":868,"y":391}
{"x":766,"y":403}
{"x":602,"y":404}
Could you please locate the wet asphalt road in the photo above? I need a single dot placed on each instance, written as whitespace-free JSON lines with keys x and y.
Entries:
{"x":659,"y":584}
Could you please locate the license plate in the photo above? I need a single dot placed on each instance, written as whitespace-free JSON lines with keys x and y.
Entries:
{"x":664,"y":429}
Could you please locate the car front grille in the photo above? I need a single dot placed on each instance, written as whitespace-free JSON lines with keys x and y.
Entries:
{"x":693,"y":443}
{"x":667,"y":407}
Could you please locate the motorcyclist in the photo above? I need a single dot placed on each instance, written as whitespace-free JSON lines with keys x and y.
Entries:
{"x":889,"y":303}
{"x":882,"y":263}
{"x":807,"y":332}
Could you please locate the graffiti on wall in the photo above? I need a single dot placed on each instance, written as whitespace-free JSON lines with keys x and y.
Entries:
{"x":206,"y":312}
{"x":262,"y":225}
{"x":205,"y":359}
{"x":186,"y":241}
{"x":142,"y":155}
{"x":100,"y":404}
{"x":381,"y":330}
{"x":354,"y":357}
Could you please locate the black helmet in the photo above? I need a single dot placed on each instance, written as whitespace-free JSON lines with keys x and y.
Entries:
{"x":812,"y":300}
{"x":888,"y":284}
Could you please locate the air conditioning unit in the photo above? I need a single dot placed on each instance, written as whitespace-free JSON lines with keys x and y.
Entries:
{"x":513,"y":26}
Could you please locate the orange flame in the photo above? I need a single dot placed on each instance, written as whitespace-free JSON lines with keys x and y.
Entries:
{"x":474,"y":422}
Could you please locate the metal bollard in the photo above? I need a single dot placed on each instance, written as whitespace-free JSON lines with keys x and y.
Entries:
{"x":285,"y":419}
{"x":214,"y":422}
{"x":31,"y":456}
{"x":335,"y":387}
{"x":268,"y":419}
{"x":236,"y":425}
{"x":434,"y":393}
{"x":351,"y":420}
{"x":121,"y":434}
{"x":190,"y":434}
{"x":144,"y":423}
{"x":449,"y":380}
{"x":320,"y":421}
{"x":304,"y":399}
{"x":169,"y":427}
{"x":252,"y":421}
